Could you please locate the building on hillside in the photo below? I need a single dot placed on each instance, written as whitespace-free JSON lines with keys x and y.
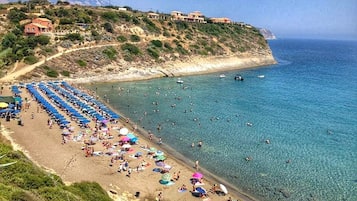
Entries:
{"x":122,"y":9}
{"x":195,"y":16}
{"x":38,"y":26}
{"x":153,"y":16}
{"x":221,"y":20}
{"x":177,"y":15}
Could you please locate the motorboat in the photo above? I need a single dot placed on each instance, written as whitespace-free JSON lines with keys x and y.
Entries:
{"x":179,"y":81}
{"x":239,"y":77}
{"x":222,"y":76}
{"x":261,"y":76}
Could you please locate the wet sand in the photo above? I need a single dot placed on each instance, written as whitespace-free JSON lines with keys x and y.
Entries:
{"x":44,"y":146}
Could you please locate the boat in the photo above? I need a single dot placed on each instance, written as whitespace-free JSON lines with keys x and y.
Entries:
{"x":261,"y":76}
{"x":179,"y":81}
{"x":222,"y":76}
{"x":239,"y":77}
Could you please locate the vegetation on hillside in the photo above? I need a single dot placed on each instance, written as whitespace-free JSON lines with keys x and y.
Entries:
{"x":25,"y":181}
{"x":142,"y":38}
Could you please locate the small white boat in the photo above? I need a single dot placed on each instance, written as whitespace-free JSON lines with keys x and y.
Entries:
{"x":222,"y":76}
{"x":179,"y":81}
{"x":261,"y":76}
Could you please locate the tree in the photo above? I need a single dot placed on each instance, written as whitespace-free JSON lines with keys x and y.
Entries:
{"x":43,"y":40}
{"x":15,"y":15}
{"x":108,"y":27}
{"x":9,"y":40}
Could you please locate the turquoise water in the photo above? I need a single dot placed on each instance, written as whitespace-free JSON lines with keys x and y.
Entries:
{"x":306,"y":106}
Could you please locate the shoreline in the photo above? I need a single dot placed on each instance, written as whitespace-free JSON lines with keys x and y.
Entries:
{"x":194,"y":66}
{"x":179,"y":158}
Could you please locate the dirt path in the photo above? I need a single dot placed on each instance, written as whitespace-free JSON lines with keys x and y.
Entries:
{"x":26,"y":69}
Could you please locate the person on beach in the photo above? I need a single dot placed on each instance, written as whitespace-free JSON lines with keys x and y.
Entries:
{"x":196,"y":165}
{"x":120,"y":167}
{"x":178,"y":176}
{"x":160,"y":196}
{"x":183,"y":188}
{"x":129,"y":172}
{"x":200,"y":143}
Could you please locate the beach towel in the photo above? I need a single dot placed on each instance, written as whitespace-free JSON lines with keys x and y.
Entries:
{"x":156,"y":169}
{"x":182,"y":190}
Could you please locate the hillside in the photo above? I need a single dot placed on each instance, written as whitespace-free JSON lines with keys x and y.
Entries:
{"x":136,"y":40}
{"x":26,"y":181}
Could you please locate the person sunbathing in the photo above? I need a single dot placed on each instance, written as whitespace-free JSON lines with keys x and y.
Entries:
{"x":183,"y":188}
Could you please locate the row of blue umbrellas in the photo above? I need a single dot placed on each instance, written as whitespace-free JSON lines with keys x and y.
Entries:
{"x":72,"y":98}
{"x":50,"y":109}
{"x":89,"y":99}
{"x":63,"y":104}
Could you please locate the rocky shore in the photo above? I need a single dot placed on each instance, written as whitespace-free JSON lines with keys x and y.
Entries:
{"x":191,"y":66}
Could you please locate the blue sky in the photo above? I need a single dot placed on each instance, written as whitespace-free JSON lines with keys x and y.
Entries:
{"x":322,"y":19}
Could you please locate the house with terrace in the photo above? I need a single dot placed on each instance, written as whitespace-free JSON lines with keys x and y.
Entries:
{"x":195,"y":16}
{"x":38,"y":26}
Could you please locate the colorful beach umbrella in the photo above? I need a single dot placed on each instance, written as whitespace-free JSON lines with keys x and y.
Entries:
{"x":160,"y":158}
{"x":223,"y":188}
{"x":3,"y":104}
{"x":166,"y":177}
{"x":126,"y":146}
{"x":153,"y":150}
{"x":124,"y":139}
{"x":197,"y":175}
{"x":123,"y":131}
{"x":201,"y":190}
{"x":159,"y":153}
{"x":160,"y":163}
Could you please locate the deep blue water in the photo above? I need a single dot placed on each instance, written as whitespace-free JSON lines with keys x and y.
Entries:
{"x":306,"y":106}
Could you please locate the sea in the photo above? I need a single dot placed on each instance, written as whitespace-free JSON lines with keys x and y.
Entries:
{"x":295,"y":122}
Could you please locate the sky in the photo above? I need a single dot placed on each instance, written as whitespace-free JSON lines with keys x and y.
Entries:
{"x":314,"y":19}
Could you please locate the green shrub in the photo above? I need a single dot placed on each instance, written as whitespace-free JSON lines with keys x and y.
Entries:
{"x":110,"y":16}
{"x":65,"y":73}
{"x":156,"y":43}
{"x":130,"y":48}
{"x":166,"y":34}
{"x":52,"y":73}
{"x":167,"y":46}
{"x":188,"y":36}
{"x":43,"y":40}
{"x":23,"y":196}
{"x":89,"y":191}
{"x":134,"y":38}
{"x":181,"y":50}
{"x":154,"y":54}
{"x":94,"y":33}
{"x":122,"y":38}
{"x":74,"y":37}
{"x":64,"y":21}
{"x":57,"y":194}
{"x":30,"y":59}
{"x":81,"y":63}
{"x":110,"y":52}
{"x":108,"y":27}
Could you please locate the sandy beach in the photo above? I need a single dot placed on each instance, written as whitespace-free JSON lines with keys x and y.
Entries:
{"x":45,"y":147}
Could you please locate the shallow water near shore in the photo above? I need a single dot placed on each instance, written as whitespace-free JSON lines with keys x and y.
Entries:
{"x":306,"y":106}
